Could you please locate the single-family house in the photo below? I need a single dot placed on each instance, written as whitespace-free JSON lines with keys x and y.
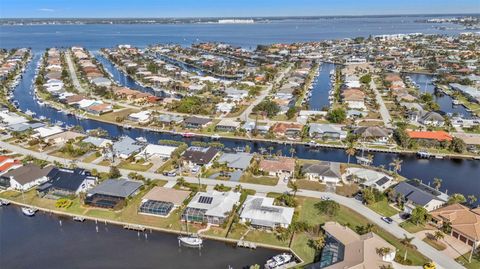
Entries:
{"x":111,"y":193}
{"x":200,"y":156}
{"x":282,"y":167}
{"x":196,"y":122}
{"x":416,"y":194}
{"x":373,"y":133}
{"x":25,"y":177}
{"x":328,"y":172}
{"x":160,"y":201}
{"x":211,"y":207}
{"x":227,"y":125}
{"x":326,"y":131}
{"x":260,"y":212}
{"x":237,"y":161}
{"x":64,"y":182}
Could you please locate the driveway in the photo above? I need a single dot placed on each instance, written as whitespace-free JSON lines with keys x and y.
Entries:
{"x":455,"y":247}
{"x":383,"y":108}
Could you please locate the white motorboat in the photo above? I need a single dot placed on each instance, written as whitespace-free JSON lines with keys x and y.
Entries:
{"x":141,"y":139}
{"x":30,"y":113}
{"x":215,"y":136}
{"x":79,"y":219}
{"x":29,"y":211}
{"x":190,"y":241}
{"x":4,"y":202}
{"x":278,"y":260}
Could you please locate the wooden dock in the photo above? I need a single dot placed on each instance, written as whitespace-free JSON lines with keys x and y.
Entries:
{"x":246,"y":244}
{"x":134,"y":227}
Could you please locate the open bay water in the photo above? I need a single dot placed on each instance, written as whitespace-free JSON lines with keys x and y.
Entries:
{"x":96,"y":36}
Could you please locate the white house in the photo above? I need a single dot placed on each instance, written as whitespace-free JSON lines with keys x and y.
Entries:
{"x":140,"y":117}
{"x":26,"y":177}
{"x":260,"y":212}
{"x":158,"y":151}
{"x":328,"y":172}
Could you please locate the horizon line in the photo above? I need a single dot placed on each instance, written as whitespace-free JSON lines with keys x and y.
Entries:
{"x":246,"y":17}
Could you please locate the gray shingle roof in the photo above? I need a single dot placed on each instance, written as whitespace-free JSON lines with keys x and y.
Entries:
{"x":116,"y":187}
{"x":236,"y":160}
{"x":420,"y":195}
{"x":326,"y":169}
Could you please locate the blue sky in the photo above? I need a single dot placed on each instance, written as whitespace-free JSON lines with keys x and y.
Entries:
{"x":227,"y":8}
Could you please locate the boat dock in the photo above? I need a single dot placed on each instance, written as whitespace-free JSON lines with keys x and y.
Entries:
{"x":134,"y":227}
{"x":246,"y":244}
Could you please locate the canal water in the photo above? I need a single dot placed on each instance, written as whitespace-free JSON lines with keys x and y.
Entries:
{"x":41,"y":242}
{"x":425,"y":85}
{"x":321,"y":86}
{"x":459,"y":176}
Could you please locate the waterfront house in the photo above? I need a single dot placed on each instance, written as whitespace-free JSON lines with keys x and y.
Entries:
{"x":281,"y":167}
{"x":112,"y":193}
{"x":142,"y":117}
{"x":326,"y":131}
{"x":196,"y":122}
{"x":260,"y":212}
{"x":354,"y":98}
{"x":99,"y":109}
{"x":464,"y":222}
{"x":328,"y":172}
{"x":126,"y":147}
{"x":100,"y":81}
{"x":250,"y":126}
{"x":64,"y":137}
{"x":200,"y":156}
{"x":369,"y":178}
{"x":156,"y":151}
{"x":44,"y":132}
{"x":287,"y":129}
{"x":374,"y":133}
{"x":432,"y":118}
{"x":25,"y":126}
{"x":64,"y":182}
{"x":344,"y":248}
{"x":10,"y":118}
{"x":238,"y":161}
{"x":169,"y":119}
{"x":435,"y":136}
{"x":160,"y":201}
{"x":227,"y":125}
{"x":418,"y":194}
{"x":98,"y":141}
{"x":25,"y":177}
{"x":211,"y":207}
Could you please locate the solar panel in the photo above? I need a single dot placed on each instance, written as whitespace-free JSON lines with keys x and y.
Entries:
{"x":205,"y":200}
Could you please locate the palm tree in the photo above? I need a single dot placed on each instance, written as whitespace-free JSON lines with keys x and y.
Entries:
{"x":383,"y":251}
{"x":396,"y":164}
{"x":407,"y":242}
{"x":472,"y":199}
{"x":317,"y":243}
{"x":437,"y":182}
{"x":294,"y":188}
{"x":350,"y":152}
{"x":438,"y":235}
{"x":292,"y":151}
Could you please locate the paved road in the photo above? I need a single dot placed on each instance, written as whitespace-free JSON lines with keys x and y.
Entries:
{"x":383,"y":109}
{"x":73,"y":75}
{"x":263,"y":94}
{"x":442,"y":260}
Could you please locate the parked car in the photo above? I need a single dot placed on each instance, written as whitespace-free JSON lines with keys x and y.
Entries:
{"x":387,"y":220}
{"x":170,"y":174}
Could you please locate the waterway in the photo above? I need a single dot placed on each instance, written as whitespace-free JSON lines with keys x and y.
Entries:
{"x":94,"y":37}
{"x":41,"y":242}
{"x":321,"y":86}
{"x":425,"y":85}
{"x":458,"y":175}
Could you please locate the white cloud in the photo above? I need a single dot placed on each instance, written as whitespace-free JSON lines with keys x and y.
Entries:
{"x":46,"y":9}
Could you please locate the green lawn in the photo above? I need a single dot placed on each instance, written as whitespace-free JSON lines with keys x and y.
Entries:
{"x":347,"y":190}
{"x":411,"y":227}
{"x":463,"y":260}
{"x":310,"y":185}
{"x":90,"y":158}
{"x":435,"y":244}
{"x":308,"y":213}
{"x":383,"y":208}
{"x":137,"y":166}
{"x":264,"y":180}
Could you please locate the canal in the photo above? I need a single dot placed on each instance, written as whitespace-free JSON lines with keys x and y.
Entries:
{"x":458,"y":175}
{"x":321,"y":86}
{"x":445,"y":102}
{"x":42,"y":242}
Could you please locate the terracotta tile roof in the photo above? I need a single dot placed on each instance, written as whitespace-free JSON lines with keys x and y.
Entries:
{"x":433,"y":135}
{"x":6,"y":166}
{"x":277,"y":165}
{"x":282,"y":127}
{"x":461,"y":218}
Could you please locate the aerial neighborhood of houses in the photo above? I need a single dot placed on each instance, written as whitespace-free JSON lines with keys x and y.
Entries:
{"x":225,"y":142}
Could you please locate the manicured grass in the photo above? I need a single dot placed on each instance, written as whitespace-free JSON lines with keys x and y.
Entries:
{"x":463,"y":260}
{"x":264,"y":180}
{"x":310,"y":185}
{"x":308,"y":213}
{"x":136,"y":166}
{"x":62,"y":155}
{"x":112,"y":116}
{"x":90,"y":158}
{"x":411,"y":227}
{"x":435,"y":244}
{"x":104,"y":163}
{"x":347,"y":190}
{"x":383,"y":208}
{"x":167,"y":166}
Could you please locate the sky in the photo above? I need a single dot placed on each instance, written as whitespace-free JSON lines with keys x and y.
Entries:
{"x":227,"y":8}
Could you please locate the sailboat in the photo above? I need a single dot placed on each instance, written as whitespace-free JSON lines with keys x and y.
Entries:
{"x":189,"y":240}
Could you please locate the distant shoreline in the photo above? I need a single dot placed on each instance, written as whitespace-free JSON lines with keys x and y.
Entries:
{"x":198,"y":20}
